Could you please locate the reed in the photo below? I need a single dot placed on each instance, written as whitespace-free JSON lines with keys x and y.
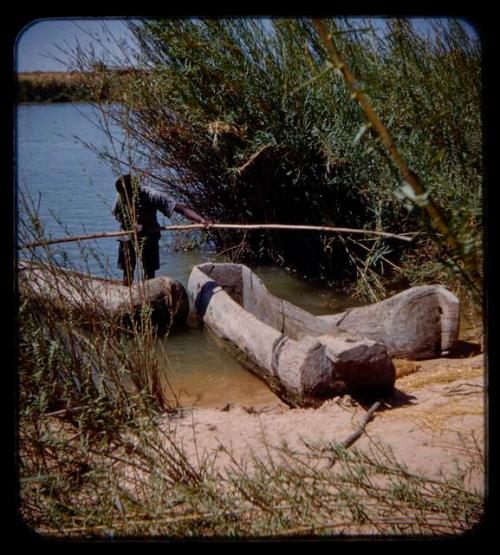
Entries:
{"x":80,"y":362}
{"x":243,"y":120}
{"x":414,"y":192}
{"x":98,"y":456}
{"x":142,"y":485}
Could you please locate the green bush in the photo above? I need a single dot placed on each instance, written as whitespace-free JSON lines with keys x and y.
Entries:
{"x":255,"y":127}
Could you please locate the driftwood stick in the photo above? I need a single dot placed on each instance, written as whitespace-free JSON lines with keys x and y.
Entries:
{"x":402,"y":237}
{"x":349,"y":440}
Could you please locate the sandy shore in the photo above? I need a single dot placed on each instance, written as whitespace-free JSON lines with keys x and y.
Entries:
{"x":434,"y":422}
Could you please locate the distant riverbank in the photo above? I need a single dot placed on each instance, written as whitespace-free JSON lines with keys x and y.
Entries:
{"x":53,"y":86}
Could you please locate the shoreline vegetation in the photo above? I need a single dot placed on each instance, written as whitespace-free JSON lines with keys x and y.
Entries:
{"x":257,"y":124}
{"x":51,"y":87}
{"x":63,"y":86}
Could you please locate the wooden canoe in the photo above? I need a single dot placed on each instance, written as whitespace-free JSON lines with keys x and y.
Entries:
{"x":89,"y":298}
{"x":304,"y":359}
{"x":419,"y":323}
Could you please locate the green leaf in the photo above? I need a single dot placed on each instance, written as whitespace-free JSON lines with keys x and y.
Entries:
{"x":407,"y":195}
{"x":363,"y":129}
{"x":440,"y":154}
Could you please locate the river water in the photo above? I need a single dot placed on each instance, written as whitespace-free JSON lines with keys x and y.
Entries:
{"x":73,"y":191}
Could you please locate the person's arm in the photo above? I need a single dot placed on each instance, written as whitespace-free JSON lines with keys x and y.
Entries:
{"x":167,"y":206}
{"x":191,"y":214}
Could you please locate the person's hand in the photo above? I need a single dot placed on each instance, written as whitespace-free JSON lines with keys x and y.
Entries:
{"x":206,"y":223}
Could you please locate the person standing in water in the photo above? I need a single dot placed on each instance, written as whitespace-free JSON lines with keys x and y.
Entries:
{"x":136,"y":207}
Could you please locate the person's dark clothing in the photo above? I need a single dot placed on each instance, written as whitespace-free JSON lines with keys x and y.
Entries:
{"x":141,"y":210}
{"x":146,"y":201}
{"x":150,"y":254}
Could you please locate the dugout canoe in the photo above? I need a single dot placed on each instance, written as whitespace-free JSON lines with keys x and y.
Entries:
{"x":303,"y":359}
{"x":90,"y":299}
{"x":419,"y":323}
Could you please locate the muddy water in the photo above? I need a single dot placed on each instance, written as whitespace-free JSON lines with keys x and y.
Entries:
{"x":200,"y":372}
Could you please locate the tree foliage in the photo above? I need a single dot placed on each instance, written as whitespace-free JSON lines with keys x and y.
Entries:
{"x":254,"y":126}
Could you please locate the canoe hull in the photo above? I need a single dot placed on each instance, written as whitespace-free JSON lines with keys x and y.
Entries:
{"x":90,"y":299}
{"x":303,"y":359}
{"x":419,"y":323}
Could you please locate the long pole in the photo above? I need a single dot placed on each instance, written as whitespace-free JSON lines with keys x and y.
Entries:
{"x":327,"y":229}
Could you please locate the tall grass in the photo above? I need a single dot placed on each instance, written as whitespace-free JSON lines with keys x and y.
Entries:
{"x":244,"y":120}
{"x":142,"y":484}
{"x":83,"y":376}
{"x":416,"y":194}
{"x":75,"y":360}
{"x":99,"y":455}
